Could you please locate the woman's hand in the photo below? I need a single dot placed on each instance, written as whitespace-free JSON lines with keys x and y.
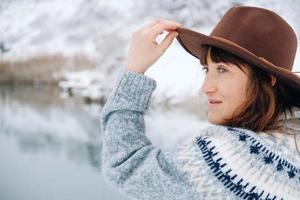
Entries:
{"x":144,"y":50}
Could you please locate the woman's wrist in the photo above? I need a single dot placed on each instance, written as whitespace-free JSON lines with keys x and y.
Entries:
{"x":135,"y":70}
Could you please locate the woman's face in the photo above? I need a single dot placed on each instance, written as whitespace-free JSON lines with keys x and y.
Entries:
{"x":225,"y":86}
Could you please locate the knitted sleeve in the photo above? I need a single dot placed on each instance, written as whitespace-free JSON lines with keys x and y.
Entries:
{"x":130,"y":162}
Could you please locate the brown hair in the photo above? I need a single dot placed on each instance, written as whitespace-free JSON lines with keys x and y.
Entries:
{"x":265,"y":102}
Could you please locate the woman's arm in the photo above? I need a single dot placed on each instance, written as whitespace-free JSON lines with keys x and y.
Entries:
{"x":130,"y":162}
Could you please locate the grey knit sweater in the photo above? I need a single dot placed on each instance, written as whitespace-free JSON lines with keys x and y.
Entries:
{"x":220,"y":163}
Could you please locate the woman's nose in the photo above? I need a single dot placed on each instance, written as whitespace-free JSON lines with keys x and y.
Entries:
{"x":209,"y":85}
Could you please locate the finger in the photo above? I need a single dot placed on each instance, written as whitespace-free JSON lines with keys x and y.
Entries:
{"x":168,"y":40}
{"x":164,"y":25}
{"x":168,"y":30}
{"x":152,"y":23}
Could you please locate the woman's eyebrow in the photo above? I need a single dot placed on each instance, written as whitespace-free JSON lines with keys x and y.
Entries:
{"x":217,"y":65}
{"x":224,"y":65}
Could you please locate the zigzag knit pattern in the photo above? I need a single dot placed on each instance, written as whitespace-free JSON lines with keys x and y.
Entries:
{"x":243,"y":166}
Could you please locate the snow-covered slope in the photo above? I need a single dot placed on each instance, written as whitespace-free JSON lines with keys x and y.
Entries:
{"x":100,"y":31}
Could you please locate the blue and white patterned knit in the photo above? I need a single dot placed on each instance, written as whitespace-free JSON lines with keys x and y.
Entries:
{"x":220,"y":163}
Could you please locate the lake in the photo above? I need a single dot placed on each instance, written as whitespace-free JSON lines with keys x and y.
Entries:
{"x":50,"y":146}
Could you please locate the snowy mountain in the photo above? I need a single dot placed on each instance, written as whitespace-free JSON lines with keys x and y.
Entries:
{"x":83,"y":44}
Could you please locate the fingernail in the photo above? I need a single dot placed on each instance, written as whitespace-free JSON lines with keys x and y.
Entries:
{"x":176,"y":34}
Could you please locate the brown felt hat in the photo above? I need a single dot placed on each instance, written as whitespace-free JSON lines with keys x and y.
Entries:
{"x":257,"y":35}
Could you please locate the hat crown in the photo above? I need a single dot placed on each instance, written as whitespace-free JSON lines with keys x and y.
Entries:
{"x":260,"y":31}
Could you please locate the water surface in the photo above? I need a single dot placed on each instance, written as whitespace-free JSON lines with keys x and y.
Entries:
{"x":50,"y":147}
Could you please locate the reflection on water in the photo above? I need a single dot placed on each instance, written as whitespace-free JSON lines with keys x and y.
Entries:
{"x":50,"y":147}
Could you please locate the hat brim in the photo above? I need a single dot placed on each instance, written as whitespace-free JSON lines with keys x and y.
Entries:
{"x":193,"y":41}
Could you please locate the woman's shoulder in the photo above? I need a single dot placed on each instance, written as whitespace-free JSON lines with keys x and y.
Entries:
{"x":241,"y":161}
{"x":278,"y":143}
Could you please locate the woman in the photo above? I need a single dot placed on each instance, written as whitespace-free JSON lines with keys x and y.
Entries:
{"x":249,"y":152}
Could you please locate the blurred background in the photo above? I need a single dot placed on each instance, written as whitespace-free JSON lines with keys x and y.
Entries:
{"x":59,"y":61}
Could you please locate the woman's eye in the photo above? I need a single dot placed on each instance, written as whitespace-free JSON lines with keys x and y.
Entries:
{"x":221,"y":70}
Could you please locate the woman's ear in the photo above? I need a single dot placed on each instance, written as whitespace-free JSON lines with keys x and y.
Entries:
{"x":273,"y":80}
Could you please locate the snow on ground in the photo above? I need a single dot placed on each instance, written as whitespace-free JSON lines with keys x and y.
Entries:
{"x":42,"y":28}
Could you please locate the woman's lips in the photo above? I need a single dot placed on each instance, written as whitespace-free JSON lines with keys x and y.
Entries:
{"x":212,"y":103}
